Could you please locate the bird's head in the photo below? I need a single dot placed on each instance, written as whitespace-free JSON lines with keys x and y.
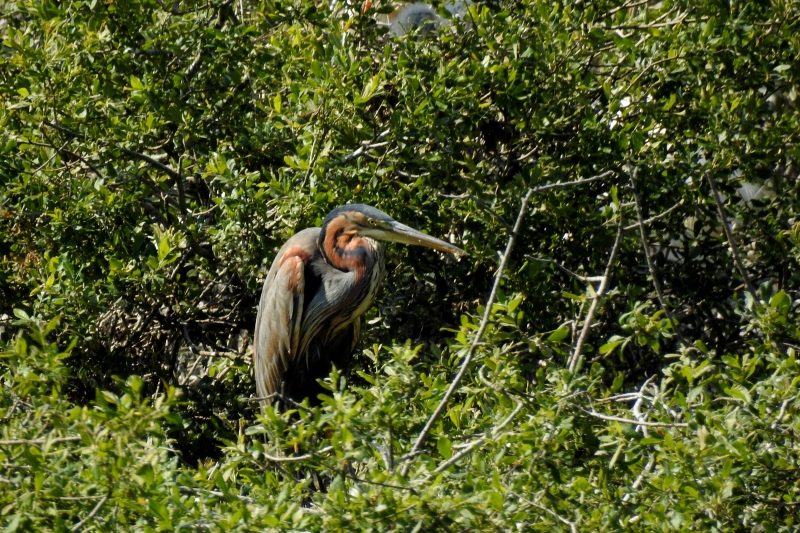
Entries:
{"x":367,"y":221}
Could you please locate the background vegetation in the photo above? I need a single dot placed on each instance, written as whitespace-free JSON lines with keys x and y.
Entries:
{"x":636,"y":368}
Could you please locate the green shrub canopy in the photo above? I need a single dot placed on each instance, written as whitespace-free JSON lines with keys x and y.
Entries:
{"x":616,"y":353}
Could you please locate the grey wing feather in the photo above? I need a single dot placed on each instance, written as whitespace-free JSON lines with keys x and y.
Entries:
{"x":277,"y":333}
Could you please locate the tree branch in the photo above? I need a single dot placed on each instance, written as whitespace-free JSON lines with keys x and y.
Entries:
{"x":572,"y":526}
{"x":651,"y":265}
{"x":731,"y":241}
{"x":570,"y":273}
{"x":653,"y":218}
{"x":296,"y":458}
{"x":360,"y":150}
{"x":484,"y":322}
{"x":481,"y":204}
{"x":634,"y":422}
{"x":138,"y":155}
{"x":644,"y":71}
{"x":587,"y":323}
{"x":565,"y":184}
{"x":36,"y":442}
{"x":415,"y":449}
{"x":478,"y":442}
{"x":93,"y":512}
{"x":628,"y":6}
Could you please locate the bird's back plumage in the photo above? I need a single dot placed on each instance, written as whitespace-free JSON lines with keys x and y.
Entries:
{"x":308,"y":317}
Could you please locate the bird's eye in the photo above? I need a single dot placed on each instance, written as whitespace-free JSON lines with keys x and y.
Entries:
{"x":373,"y":222}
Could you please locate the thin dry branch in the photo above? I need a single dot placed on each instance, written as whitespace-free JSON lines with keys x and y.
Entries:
{"x":653,"y":218}
{"x":415,"y":449}
{"x":658,"y":25}
{"x":478,"y":442}
{"x":601,"y":290}
{"x":280,"y":397}
{"x":635,"y":422}
{"x":651,"y":265}
{"x":138,"y":155}
{"x":37,"y":442}
{"x":481,"y":329}
{"x":572,"y":526}
{"x":570,"y":273}
{"x":647,"y":68}
{"x":296,"y":458}
{"x":626,"y":5}
{"x":565,"y":184}
{"x":359,"y":151}
{"x":737,"y":258}
{"x":480,"y":203}
{"x":91,"y":515}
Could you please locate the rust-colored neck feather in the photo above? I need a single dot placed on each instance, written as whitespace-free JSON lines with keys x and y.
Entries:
{"x":343,"y":248}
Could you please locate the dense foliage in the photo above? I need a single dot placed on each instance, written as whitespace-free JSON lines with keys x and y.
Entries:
{"x":636,"y":371}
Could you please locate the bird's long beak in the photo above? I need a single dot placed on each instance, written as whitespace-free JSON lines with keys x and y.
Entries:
{"x":397,"y":232}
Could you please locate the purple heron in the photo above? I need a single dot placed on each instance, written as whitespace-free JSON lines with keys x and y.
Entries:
{"x":321,"y":282}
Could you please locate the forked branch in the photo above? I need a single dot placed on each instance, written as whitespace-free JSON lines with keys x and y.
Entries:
{"x":601,"y":290}
{"x":737,"y":258}
{"x":649,"y":256}
{"x":415,"y":449}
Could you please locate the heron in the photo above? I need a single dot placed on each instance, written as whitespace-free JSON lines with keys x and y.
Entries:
{"x":320,"y":283}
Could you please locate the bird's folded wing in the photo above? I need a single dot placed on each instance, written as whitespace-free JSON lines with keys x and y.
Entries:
{"x":277,"y":332}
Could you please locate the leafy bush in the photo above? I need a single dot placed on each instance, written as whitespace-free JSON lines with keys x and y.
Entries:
{"x":636,"y":370}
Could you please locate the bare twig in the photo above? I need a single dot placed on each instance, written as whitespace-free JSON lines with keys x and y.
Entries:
{"x":635,"y":422}
{"x":36,"y":442}
{"x":280,"y":397}
{"x":657,"y":25}
{"x":415,"y":449}
{"x":478,"y":442}
{"x":153,"y":163}
{"x":651,"y":462}
{"x":737,"y":258}
{"x":648,"y":67}
{"x":385,"y":452}
{"x":783,"y":409}
{"x":360,"y":150}
{"x":62,"y":129}
{"x":70,"y":153}
{"x":653,"y":218}
{"x":233,"y":356}
{"x":138,"y":155}
{"x":481,"y":329}
{"x":78,"y":498}
{"x":565,"y":184}
{"x":601,"y":290}
{"x":628,"y":6}
{"x":572,"y":526}
{"x":480,"y":203}
{"x":296,"y":458}
{"x":651,"y":265}
{"x":88,"y":517}
{"x":570,"y":273}
{"x":412,"y":490}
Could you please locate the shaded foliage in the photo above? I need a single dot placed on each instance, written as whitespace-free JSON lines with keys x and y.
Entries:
{"x":155,"y":156}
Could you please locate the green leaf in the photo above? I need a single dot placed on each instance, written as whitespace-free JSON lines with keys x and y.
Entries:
{"x":445,"y":447}
{"x":163,"y":248}
{"x":495,"y":499}
{"x":609,"y":347}
{"x":559,"y":335}
{"x":13,"y":523}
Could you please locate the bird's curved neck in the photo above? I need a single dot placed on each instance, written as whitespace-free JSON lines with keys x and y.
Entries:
{"x":343,"y":248}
